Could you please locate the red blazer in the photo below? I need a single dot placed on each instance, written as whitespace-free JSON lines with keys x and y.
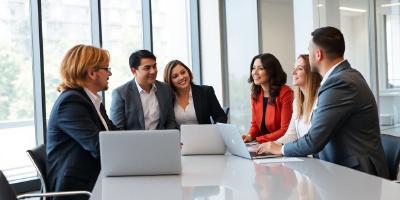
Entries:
{"x":277,"y":116}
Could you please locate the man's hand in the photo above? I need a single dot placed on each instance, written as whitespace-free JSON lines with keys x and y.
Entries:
{"x":270,"y":147}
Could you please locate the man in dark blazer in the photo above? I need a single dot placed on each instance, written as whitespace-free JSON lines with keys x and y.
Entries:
{"x":143,"y":103}
{"x":77,"y":117}
{"x":345,"y":124}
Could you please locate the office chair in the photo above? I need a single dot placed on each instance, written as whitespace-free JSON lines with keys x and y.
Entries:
{"x":391,"y":146}
{"x":226,"y":110}
{"x":38,"y":158}
{"x":7,"y":192}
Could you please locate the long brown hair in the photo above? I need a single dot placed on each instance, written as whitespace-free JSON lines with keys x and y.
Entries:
{"x":76,"y":63}
{"x":304,"y":103}
{"x":275,"y":73}
{"x":168,"y":72}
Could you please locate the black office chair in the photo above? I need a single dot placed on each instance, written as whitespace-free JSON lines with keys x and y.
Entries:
{"x":7,"y":192}
{"x":226,"y":110}
{"x":391,"y":146}
{"x":38,"y":158}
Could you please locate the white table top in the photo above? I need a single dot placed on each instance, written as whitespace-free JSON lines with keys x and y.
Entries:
{"x":231,"y":177}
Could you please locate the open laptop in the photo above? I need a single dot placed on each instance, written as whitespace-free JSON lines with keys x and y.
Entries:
{"x":201,"y":139}
{"x":140,"y":152}
{"x":235,"y":144}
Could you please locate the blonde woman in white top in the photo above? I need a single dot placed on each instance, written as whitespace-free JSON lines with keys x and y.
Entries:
{"x":306,"y":85}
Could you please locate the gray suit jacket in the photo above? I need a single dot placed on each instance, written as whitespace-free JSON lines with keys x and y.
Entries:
{"x":345,"y":126}
{"x":126,"y":110}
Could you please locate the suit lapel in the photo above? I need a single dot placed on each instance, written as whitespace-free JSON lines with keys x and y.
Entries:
{"x":197,"y":107}
{"x":270,"y":115}
{"x":160,"y":104}
{"x":104,"y":115}
{"x":342,"y":66}
{"x":137,"y":101}
{"x":99,"y":123}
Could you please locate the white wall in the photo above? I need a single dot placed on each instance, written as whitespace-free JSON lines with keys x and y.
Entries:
{"x":278,"y":32}
{"x":355,"y":32}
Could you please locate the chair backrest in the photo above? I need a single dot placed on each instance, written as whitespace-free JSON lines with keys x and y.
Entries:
{"x":38,"y":157}
{"x":391,"y":146}
{"x":226,"y":110}
{"x":6,"y":192}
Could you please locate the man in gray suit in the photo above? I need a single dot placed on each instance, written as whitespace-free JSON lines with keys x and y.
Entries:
{"x":143,"y":103}
{"x":345,"y":124}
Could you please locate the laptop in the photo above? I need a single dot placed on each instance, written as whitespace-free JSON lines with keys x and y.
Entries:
{"x":140,"y":152}
{"x":236,"y":146}
{"x":201,"y":139}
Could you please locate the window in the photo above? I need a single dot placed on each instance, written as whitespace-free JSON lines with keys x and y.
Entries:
{"x":17,"y":132}
{"x":388,"y":50}
{"x":170,"y":32}
{"x":65,"y":23}
{"x":242,"y":40}
{"x":121,"y":39}
{"x":393,"y":50}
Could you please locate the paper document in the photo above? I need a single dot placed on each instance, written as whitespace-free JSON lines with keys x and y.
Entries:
{"x":277,"y":160}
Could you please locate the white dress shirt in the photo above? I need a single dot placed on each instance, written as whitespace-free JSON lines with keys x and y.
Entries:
{"x":185,"y":115}
{"x":151,"y":111}
{"x":96,"y":100}
{"x":297,"y":128}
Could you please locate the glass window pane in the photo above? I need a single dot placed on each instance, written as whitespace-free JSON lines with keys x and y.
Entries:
{"x":121,"y":39}
{"x":242,"y":40}
{"x":354,"y":25}
{"x":392,"y":23}
{"x":388,"y":50}
{"x":17,"y":132}
{"x":170,"y":32}
{"x":66,"y":23}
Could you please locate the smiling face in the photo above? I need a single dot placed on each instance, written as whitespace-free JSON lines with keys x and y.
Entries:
{"x":180,"y":77}
{"x":258,"y":73}
{"x":299,"y":73}
{"x":146,"y":73}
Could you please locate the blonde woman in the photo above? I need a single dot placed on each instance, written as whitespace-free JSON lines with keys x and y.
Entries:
{"x":306,"y":85}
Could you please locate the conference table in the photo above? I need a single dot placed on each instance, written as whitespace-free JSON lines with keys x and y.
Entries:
{"x":228,"y":177}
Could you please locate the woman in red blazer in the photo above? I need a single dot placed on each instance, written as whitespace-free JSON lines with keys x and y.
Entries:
{"x":271,"y":100}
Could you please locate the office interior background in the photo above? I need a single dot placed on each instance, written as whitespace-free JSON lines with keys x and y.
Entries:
{"x":216,"y":38}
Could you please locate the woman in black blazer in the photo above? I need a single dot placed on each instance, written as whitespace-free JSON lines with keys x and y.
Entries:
{"x":194,"y":104}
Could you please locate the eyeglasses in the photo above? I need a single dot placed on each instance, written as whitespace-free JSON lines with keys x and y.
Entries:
{"x":108,"y":69}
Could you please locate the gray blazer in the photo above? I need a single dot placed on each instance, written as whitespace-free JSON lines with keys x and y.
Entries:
{"x":126,"y":110}
{"x":345,"y":126}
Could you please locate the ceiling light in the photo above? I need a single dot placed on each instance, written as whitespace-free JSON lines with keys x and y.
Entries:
{"x":390,"y":5}
{"x":352,"y":9}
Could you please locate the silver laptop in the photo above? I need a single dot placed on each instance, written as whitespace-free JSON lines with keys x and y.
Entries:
{"x":140,"y":152}
{"x":235,"y":144}
{"x":201,"y":139}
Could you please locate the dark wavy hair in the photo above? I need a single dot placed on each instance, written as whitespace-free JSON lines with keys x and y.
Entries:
{"x":276,"y":76}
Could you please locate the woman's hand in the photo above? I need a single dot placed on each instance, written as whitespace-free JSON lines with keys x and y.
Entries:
{"x":247,"y":138}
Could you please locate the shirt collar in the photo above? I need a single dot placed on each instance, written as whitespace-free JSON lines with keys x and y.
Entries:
{"x":140,"y":89}
{"x":329,"y":72}
{"x":95,"y":98}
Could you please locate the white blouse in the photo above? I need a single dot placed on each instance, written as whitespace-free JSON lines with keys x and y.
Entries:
{"x":185,"y":115}
{"x":297,"y":128}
